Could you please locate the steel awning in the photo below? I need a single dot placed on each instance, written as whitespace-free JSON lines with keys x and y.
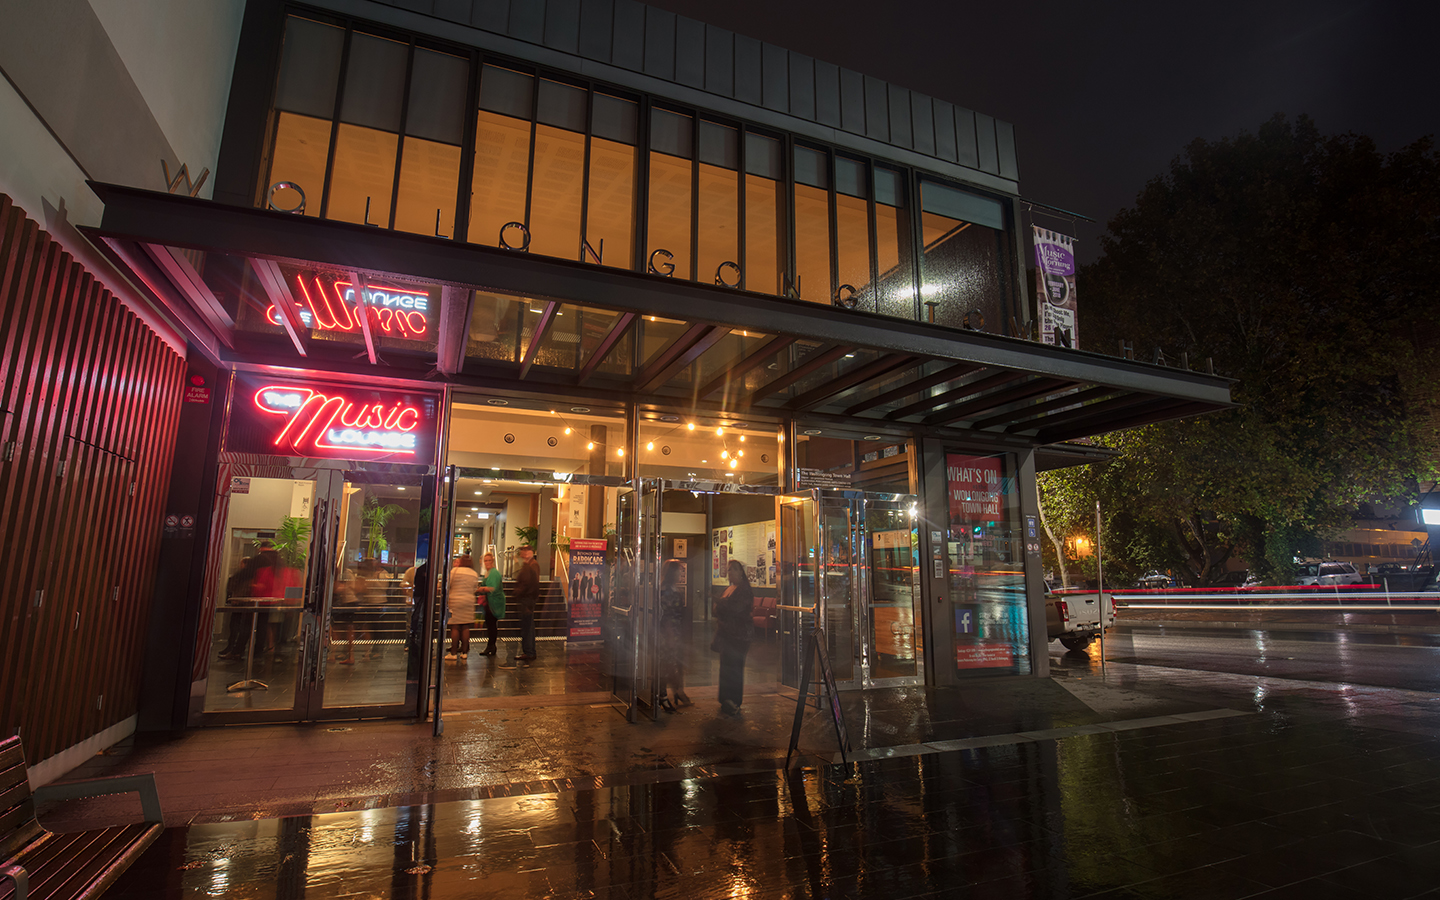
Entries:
{"x":263,"y":287}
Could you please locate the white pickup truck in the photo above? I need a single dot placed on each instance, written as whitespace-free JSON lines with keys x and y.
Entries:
{"x":1074,"y":616}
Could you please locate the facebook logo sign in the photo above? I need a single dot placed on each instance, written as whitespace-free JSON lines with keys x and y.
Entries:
{"x":964,"y":621}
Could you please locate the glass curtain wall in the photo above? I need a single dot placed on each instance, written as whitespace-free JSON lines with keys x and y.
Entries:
{"x":380,"y":145}
{"x":370,"y":128}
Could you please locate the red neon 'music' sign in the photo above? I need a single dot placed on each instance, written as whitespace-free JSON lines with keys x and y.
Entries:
{"x":332,"y":423}
{"x":393,"y":311}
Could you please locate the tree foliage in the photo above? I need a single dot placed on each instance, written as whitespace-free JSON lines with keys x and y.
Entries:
{"x":1303,"y":265}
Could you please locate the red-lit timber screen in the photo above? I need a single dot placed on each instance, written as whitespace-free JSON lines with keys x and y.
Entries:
{"x":91,"y":398}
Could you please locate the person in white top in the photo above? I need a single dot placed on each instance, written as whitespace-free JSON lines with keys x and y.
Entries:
{"x":464,"y":584}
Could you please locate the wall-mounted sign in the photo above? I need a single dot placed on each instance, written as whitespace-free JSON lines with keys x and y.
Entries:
{"x":298,"y":417}
{"x":330,"y":304}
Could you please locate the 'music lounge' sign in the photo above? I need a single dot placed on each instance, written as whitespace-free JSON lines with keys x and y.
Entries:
{"x":296,"y":417}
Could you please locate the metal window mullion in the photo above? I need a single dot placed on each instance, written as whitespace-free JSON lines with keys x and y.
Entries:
{"x":335,"y":121}
{"x":466,"y":180}
{"x":917,"y":242}
{"x":787,"y":178}
{"x":874,"y":237}
{"x":741,"y":135}
{"x":400,"y":138}
{"x":830,"y":193}
{"x":534,"y":131}
{"x":642,"y":190}
{"x":694,"y":195}
{"x":585,"y":182}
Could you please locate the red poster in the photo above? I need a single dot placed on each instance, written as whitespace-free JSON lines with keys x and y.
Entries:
{"x":975,"y":487}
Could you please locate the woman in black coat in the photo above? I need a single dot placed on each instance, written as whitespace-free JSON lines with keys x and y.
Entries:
{"x":734,"y":613}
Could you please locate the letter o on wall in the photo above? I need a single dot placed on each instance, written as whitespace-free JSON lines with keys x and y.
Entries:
{"x":283,"y":186}
{"x":525,"y":245}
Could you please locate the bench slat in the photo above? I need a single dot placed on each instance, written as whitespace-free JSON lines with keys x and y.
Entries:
{"x":11,"y":754}
{"x":18,"y":828}
{"x":83,"y":863}
{"x":13,"y":796}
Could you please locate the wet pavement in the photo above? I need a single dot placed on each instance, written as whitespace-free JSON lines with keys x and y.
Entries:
{"x":1131,"y":781}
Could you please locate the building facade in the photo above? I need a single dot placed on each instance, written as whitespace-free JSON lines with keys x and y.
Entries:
{"x":450,"y":277}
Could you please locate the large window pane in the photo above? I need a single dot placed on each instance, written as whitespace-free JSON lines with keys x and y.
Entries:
{"x":719,"y":204}
{"x":610,"y":214}
{"x":502,"y":156}
{"x":852,"y":233}
{"x":502,"y":172}
{"x":812,"y":226}
{"x":309,"y":68}
{"x":301,"y":145}
{"x":671,"y":194}
{"x":895,"y":292}
{"x":764,"y":215}
{"x":374,"y":82}
{"x":429,"y":178}
{"x":363,"y":176}
{"x":559,"y":187}
{"x":610,"y":210}
{"x":961,"y":262}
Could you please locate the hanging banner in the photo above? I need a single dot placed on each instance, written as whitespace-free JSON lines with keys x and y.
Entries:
{"x":589,"y":581}
{"x":1055,"y":287}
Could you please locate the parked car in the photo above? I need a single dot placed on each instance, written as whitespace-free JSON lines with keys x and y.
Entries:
{"x":1154,"y":580}
{"x":1328,"y":572}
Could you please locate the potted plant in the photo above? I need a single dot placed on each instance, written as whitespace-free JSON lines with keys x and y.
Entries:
{"x":375,"y":516}
{"x":292,"y":541}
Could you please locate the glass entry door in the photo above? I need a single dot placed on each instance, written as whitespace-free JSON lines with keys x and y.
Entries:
{"x":318,"y":594}
{"x":851,"y":563}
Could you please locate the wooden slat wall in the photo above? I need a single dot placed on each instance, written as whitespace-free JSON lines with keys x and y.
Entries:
{"x":91,"y":397}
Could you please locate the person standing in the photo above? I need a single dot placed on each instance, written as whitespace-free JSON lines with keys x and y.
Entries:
{"x":461,"y":601}
{"x":527,"y":597}
{"x":734,"y":623}
{"x":492,"y":600}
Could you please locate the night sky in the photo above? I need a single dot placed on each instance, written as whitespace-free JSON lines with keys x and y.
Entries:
{"x":1103,"y":95}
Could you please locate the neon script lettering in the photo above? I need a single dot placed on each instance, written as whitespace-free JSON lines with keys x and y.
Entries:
{"x":316,"y":421}
{"x":394,"y":312}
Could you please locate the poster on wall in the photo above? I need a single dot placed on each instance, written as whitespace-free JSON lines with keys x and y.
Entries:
{"x":975,"y":487}
{"x":753,"y":545}
{"x":1055,"y":288}
{"x":589,"y":581}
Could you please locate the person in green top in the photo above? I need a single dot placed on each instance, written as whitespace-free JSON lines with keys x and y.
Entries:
{"x":492,"y":600}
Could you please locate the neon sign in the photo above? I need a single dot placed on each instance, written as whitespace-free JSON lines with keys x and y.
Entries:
{"x":331,"y":423}
{"x":394,"y":311}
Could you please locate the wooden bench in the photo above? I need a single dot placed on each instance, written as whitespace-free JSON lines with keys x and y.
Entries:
{"x":36,"y":864}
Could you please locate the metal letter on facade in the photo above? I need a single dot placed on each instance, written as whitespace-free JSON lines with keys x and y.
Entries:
{"x":720,"y":279}
{"x":183,"y":175}
{"x":298,"y":210}
{"x":523,"y":230}
{"x":669,"y":268}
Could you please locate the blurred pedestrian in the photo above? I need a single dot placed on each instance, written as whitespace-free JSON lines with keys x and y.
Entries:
{"x":492,"y":601}
{"x":240,"y":586}
{"x":527,"y":597}
{"x":464,"y":582}
{"x":734,"y":613}
{"x":672,"y":637}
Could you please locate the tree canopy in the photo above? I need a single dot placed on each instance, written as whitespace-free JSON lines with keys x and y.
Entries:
{"x":1303,"y":265}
